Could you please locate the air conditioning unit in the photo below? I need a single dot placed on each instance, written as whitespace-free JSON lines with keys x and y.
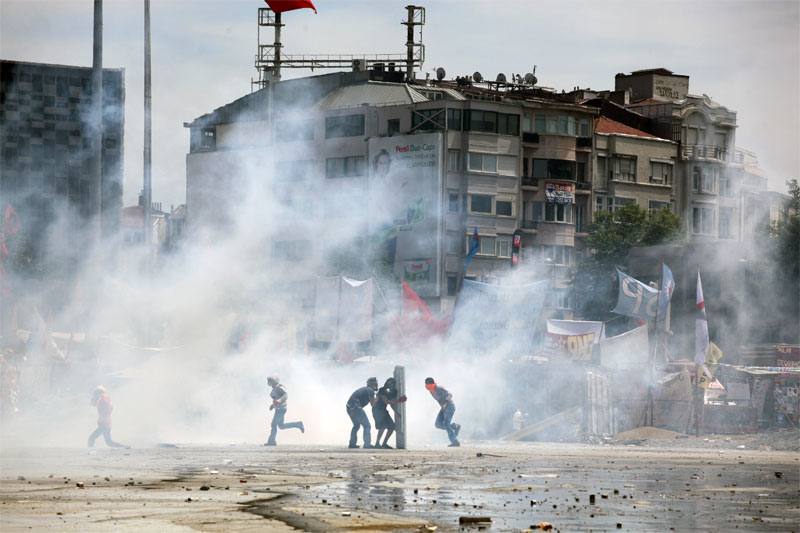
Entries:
{"x":359,"y":65}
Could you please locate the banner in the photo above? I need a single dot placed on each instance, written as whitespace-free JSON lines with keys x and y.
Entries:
{"x":405,"y":198}
{"x":629,"y":348}
{"x":497,"y":319}
{"x":639,"y":300}
{"x":343,"y":310}
{"x":559,"y":193}
{"x":573,"y":339}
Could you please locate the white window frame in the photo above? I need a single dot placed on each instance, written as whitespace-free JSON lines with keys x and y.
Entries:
{"x":480,"y":162}
{"x":454,"y":160}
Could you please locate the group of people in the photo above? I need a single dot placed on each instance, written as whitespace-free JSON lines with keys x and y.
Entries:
{"x":380,"y":398}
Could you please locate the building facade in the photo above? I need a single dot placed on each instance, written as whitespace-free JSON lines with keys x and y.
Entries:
{"x":45,"y":141}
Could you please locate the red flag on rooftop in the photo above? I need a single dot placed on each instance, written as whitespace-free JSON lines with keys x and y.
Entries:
{"x":279,"y":6}
{"x":413,"y":306}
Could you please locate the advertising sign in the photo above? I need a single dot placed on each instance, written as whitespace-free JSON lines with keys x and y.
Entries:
{"x":559,"y":193}
{"x":405,"y":198}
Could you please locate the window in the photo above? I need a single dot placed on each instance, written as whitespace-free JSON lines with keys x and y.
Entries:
{"x":725,"y":188}
{"x":289,"y":250}
{"x":427,"y":119}
{"x":480,"y":203}
{"x":525,"y":168}
{"x":704,"y":179}
{"x":560,"y":169}
{"x":562,"y":297}
{"x":293,"y":170}
{"x":558,"y":212}
{"x":452,"y":243}
{"x":202,"y":139}
{"x":454,"y":160}
{"x":507,"y":165}
{"x":560,"y":255}
{"x":540,"y":125}
{"x":527,"y":124}
{"x":503,"y":247}
{"x":482,"y":162}
{"x":658,"y":206}
{"x":503,"y":208}
{"x":702,"y":220}
{"x":452,"y":203}
{"x":488,"y":245}
{"x":393,"y":126}
{"x":294,"y":130}
{"x":725,"y":229}
{"x":584,"y":128}
{"x":452,"y":284}
{"x":485,"y":121}
{"x":625,"y":167}
{"x":606,"y":203}
{"x":507,"y":124}
{"x":344,"y":167}
{"x":454,"y":119}
{"x":344,"y":126}
{"x":559,"y":124}
{"x":660,"y":172}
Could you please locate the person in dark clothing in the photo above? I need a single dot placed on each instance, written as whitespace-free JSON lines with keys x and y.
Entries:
{"x":386,"y":395}
{"x":279,"y":400}
{"x":103,"y":403}
{"x":446,"y":410}
{"x":355,"y":410}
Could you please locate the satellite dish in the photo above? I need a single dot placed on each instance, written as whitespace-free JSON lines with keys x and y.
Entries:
{"x":440,"y":73}
{"x":501,"y":77}
{"x":530,"y":79}
{"x":477,"y":76}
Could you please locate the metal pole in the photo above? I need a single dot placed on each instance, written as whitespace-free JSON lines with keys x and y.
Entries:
{"x":276,"y":71}
{"x":96,"y":190}
{"x":410,"y":44}
{"x":148,"y":235}
{"x":400,"y":408}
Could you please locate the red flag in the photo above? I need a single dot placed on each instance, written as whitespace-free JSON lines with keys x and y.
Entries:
{"x":10,"y":221}
{"x":279,"y":6}
{"x":413,"y":306}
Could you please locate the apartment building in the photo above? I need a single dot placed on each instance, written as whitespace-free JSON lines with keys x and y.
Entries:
{"x":45,"y":137}
{"x":718,"y":186}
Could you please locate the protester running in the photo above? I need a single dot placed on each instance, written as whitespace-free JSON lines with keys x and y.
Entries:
{"x":103,"y":403}
{"x":279,"y":400}
{"x":446,"y":411}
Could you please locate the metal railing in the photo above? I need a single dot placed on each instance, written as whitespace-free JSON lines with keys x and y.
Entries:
{"x":704,"y":151}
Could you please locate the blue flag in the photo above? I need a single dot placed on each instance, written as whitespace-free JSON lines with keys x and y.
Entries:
{"x":474,"y":245}
{"x":639,"y":300}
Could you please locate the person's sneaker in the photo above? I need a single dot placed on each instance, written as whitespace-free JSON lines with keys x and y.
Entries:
{"x":269,"y":444}
{"x":456,"y":428}
{"x":353,"y":446}
{"x":302,"y":428}
{"x":387,"y":447}
{"x":454,"y":445}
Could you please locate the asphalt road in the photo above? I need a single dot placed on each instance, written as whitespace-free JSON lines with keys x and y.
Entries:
{"x":515,"y":485}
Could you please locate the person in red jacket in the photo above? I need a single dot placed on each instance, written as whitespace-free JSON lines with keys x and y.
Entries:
{"x":104,"y":408}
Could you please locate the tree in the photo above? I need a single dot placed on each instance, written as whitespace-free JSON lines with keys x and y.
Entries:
{"x":785,"y":257}
{"x":611,"y":237}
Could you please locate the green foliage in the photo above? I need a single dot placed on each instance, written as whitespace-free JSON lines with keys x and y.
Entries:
{"x":611,"y":237}
{"x":785,"y":256}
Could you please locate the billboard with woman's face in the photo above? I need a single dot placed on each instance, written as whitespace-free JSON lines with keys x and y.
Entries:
{"x":405,"y":201}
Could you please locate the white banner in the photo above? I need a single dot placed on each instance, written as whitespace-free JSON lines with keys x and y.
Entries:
{"x":355,"y":310}
{"x":574,"y":339}
{"x":630,"y":348}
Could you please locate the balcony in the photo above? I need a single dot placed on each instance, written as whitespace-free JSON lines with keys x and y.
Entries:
{"x":529,"y":182}
{"x":704,"y":151}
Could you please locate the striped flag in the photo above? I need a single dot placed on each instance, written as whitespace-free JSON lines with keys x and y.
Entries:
{"x":700,"y":327}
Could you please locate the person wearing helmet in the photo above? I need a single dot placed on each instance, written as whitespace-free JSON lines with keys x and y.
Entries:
{"x":279,"y":400}
{"x":446,"y":410}
{"x":355,"y":410}
{"x":103,"y":403}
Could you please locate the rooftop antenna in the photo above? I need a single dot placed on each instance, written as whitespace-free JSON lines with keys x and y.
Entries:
{"x":415,"y":52}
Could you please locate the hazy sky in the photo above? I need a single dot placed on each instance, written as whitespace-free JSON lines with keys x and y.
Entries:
{"x":743,"y":54}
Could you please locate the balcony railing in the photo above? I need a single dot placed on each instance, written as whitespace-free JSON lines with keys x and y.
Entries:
{"x":704,"y":151}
